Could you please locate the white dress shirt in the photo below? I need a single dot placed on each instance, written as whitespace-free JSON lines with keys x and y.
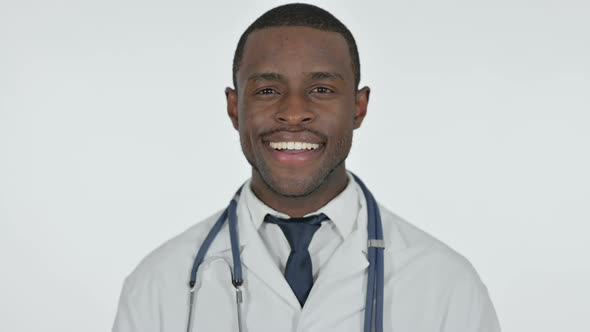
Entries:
{"x":342,"y":212}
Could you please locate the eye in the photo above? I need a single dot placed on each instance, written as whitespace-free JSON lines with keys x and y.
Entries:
{"x":266,"y":91}
{"x":321,"y":89}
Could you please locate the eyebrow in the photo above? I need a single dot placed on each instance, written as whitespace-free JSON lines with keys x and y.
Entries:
{"x":320,"y":75}
{"x":265,"y":77}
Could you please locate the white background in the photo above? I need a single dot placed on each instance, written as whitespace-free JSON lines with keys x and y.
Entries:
{"x":114,"y":138}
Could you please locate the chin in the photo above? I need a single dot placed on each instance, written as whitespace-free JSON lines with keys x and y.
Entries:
{"x":299,"y":185}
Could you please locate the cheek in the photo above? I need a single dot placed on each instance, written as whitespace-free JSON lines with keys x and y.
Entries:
{"x":340,"y":123}
{"x":244,"y":131}
{"x":250,"y":125}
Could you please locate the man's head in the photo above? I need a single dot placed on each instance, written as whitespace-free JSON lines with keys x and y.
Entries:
{"x":301,"y":15}
{"x":296,"y":102}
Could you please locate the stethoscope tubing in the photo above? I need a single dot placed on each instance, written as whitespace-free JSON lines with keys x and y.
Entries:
{"x":375,"y":281}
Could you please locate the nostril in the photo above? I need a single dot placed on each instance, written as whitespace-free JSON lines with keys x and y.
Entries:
{"x":294,"y":116}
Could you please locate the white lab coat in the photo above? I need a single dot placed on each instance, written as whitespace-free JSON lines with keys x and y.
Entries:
{"x":428,"y":286}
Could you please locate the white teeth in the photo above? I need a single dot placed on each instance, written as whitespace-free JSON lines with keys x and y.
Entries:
{"x":293,"y":146}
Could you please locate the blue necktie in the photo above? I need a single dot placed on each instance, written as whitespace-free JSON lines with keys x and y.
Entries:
{"x":299,"y":232}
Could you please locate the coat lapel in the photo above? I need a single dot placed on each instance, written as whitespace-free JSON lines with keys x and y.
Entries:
{"x":341,"y":282}
{"x":257,"y":260}
{"x":259,"y":263}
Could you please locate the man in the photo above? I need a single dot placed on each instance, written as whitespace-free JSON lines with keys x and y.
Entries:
{"x":302,"y":218}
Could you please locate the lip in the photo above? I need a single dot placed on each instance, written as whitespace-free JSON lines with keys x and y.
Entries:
{"x":294,"y":157}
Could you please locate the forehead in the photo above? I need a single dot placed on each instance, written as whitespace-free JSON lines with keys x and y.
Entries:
{"x":294,"y":51}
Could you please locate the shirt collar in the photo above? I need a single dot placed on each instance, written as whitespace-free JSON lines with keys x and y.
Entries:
{"x":342,"y":210}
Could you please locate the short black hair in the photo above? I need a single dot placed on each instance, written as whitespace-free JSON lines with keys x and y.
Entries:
{"x":304,"y":15}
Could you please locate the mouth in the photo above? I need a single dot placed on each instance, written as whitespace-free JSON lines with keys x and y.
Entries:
{"x":294,"y":152}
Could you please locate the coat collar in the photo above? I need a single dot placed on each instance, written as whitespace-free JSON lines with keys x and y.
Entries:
{"x":350,"y":257}
{"x":247,"y":228}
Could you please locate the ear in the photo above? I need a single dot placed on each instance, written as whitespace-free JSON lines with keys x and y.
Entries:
{"x":362,"y":102}
{"x":232,"y":105}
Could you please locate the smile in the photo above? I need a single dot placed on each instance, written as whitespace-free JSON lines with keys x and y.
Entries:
{"x":294,"y":152}
{"x":293,"y":146}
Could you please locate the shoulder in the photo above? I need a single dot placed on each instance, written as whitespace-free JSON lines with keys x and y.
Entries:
{"x":171,"y":259}
{"x":414,"y":249}
{"x":430,"y":274}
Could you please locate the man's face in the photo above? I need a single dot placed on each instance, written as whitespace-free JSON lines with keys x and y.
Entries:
{"x":295,"y":107}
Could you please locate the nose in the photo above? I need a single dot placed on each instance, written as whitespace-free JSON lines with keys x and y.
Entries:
{"x":294,"y":111}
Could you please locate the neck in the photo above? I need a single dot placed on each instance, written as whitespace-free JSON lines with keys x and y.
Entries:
{"x":296,"y":207}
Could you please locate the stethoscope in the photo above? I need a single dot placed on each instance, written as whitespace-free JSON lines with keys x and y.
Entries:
{"x":374,"y":301}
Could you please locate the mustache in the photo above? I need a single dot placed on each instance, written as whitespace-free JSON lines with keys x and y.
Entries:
{"x":293,"y":129}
